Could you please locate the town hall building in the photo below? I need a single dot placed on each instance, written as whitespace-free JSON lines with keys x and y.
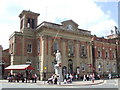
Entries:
{"x":82,"y":53}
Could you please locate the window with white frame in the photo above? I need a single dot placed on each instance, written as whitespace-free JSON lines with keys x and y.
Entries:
{"x":106,"y":54}
{"x":114,"y":54}
{"x":99,"y":54}
{"x":29,"y":48}
{"x":38,"y":46}
{"x":83,"y":50}
{"x":70,"y":48}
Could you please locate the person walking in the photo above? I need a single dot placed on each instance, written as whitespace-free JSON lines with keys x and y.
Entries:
{"x":65,"y":79}
{"x":55,"y":79}
{"x":84,"y":78}
{"x":35,"y":77}
{"x":71,"y":78}
{"x":109,"y":75}
{"x":93,"y":77}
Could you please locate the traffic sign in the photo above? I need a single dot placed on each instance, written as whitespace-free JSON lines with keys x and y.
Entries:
{"x":45,"y":67}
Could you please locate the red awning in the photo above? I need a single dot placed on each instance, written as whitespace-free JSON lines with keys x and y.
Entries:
{"x":19,"y":67}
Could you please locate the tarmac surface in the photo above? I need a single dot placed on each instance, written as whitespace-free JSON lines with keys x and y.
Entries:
{"x":111,"y":84}
{"x":74,"y":83}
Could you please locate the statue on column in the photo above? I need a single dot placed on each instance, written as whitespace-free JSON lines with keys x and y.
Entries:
{"x":58,"y":68}
{"x":58,"y":57}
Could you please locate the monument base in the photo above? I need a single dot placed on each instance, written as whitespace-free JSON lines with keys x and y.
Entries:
{"x":58,"y":72}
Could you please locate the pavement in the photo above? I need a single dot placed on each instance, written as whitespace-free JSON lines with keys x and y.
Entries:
{"x":74,"y":83}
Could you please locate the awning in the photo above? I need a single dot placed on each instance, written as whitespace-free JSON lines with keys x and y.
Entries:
{"x":19,"y":67}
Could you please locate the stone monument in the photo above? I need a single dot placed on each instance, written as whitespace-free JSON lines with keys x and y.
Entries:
{"x":58,"y":68}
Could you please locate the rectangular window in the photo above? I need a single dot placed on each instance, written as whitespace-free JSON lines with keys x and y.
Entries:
{"x":70,"y":48}
{"x":114,"y":55}
{"x":83,"y":51}
{"x":106,"y":54}
{"x":29,"y":48}
{"x":55,"y":46}
{"x":99,"y":54}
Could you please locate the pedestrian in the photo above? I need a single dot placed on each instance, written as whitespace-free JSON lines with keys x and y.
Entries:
{"x":84,"y":78}
{"x":22,"y":77}
{"x":76,"y":76}
{"x":65,"y":79}
{"x":71,"y":77}
{"x":93,"y":77}
{"x":109,"y":75}
{"x":67,"y":76}
{"x":98,"y":76}
{"x":55,"y":79}
{"x":9,"y":77}
{"x":90,"y":77}
{"x":18,"y":76}
{"x":87,"y":77}
{"x":35,"y":77}
{"x":51,"y":79}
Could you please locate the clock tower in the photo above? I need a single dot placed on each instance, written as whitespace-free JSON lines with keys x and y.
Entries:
{"x":28,"y":20}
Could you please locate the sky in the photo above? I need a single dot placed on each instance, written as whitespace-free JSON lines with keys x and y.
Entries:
{"x":97,"y":16}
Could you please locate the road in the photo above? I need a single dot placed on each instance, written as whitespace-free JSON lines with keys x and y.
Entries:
{"x":110,"y":84}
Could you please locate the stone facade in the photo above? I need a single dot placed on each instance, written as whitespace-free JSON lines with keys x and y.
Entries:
{"x":37,"y":45}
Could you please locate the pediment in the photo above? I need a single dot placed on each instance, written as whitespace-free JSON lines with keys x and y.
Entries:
{"x":70,"y":25}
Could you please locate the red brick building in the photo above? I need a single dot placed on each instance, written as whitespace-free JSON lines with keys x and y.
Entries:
{"x":4,"y":61}
{"x":104,"y":55}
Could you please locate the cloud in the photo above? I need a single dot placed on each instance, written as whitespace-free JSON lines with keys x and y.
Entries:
{"x":86,"y":13}
{"x":102,"y":28}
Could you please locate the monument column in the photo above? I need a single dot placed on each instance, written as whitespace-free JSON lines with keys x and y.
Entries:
{"x":58,"y":67}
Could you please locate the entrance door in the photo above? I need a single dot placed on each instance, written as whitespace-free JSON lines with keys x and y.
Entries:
{"x":70,"y":66}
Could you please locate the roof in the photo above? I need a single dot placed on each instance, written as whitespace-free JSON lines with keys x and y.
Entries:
{"x":70,"y":21}
{"x":19,"y":67}
{"x":30,"y":12}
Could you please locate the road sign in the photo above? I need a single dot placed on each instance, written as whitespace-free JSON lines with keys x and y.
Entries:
{"x":45,"y":68}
